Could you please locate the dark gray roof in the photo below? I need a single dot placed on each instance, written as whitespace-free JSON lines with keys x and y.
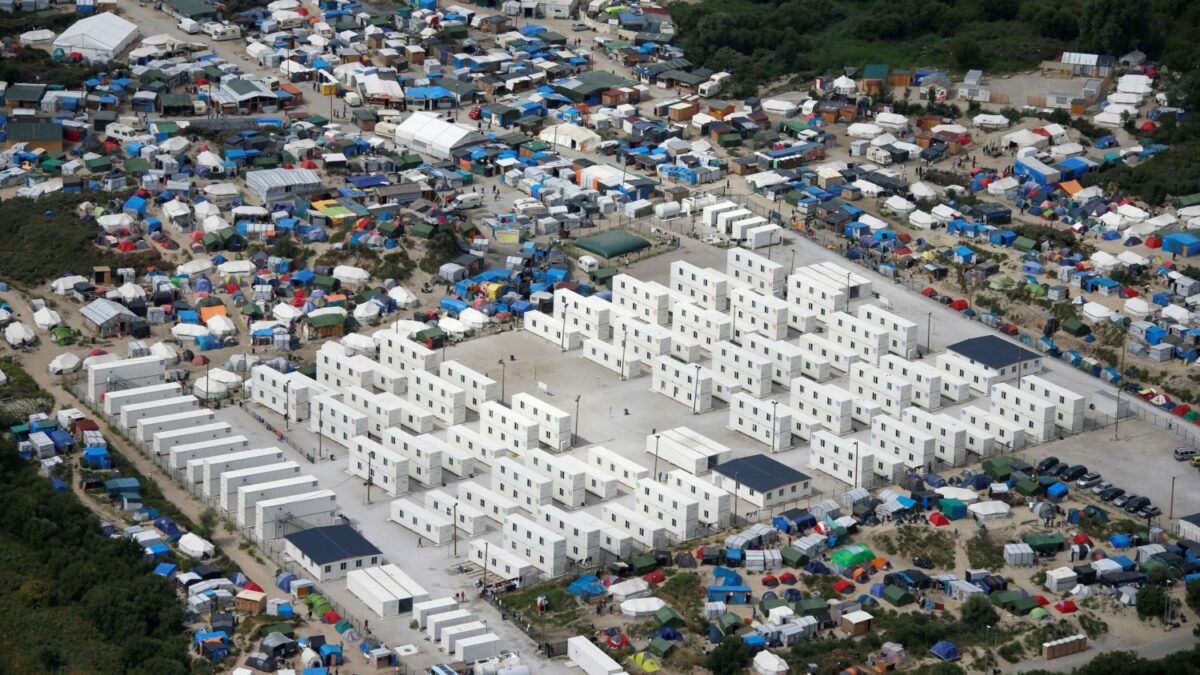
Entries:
{"x":324,"y":545}
{"x":760,"y":473}
{"x":993,"y":351}
{"x":1193,"y":519}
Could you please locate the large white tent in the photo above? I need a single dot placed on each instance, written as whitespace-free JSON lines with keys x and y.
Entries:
{"x":100,"y":37}
{"x":427,"y":132}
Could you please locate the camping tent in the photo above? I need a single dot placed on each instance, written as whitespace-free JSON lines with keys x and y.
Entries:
{"x":193,"y":546}
{"x":639,"y":607}
{"x":64,"y":363}
{"x":768,"y":663}
{"x":946,"y":651}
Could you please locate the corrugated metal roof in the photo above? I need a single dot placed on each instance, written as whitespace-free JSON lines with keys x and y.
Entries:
{"x":103,"y":310}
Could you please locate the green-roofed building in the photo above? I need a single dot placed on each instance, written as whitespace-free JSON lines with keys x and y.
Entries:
{"x":612,"y":244}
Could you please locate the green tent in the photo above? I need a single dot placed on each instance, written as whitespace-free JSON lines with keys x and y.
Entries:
{"x":286,"y":629}
{"x":423,"y":231}
{"x":314,"y":598}
{"x":730,"y":622}
{"x":1076,"y":327}
{"x":1045,"y":543}
{"x":252,"y":309}
{"x":765,"y":606}
{"x":604,"y":276}
{"x":792,"y":557}
{"x":98,"y":164}
{"x":852,"y":555}
{"x":612,"y":243}
{"x":1023,"y":606}
{"x":897,"y":596}
{"x":809,"y":606}
{"x":1005,"y":599}
{"x":999,"y":468}
{"x":661,"y":647}
{"x":643,"y":564}
{"x":669,"y":617}
{"x":324,"y":283}
{"x":61,"y":335}
{"x":1027,"y":487}
{"x":1024,"y":244}
{"x":1039,"y":613}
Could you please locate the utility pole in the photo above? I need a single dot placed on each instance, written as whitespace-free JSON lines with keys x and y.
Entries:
{"x":287,"y":406}
{"x":624,"y":344}
{"x":369,"y":483}
{"x":657,"y":438}
{"x":1117,"y":412}
{"x":1171,"y":508}
{"x":454,"y":529}
{"x":696,"y":397}
{"x":929,"y":332}
{"x":503,"y":368}
{"x":774,"y":424}
{"x":575,"y":434}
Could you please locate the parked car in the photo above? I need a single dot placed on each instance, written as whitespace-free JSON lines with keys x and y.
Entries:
{"x":923,"y":563}
{"x":1150,"y":511}
{"x":1058,"y":469}
{"x":1088,"y":480}
{"x":1111,"y":494}
{"x":1046,"y":463}
{"x":1124,"y":499}
{"x":579,"y":26}
{"x":1073,"y":473}
{"x":1101,"y":487}
{"x":1186,"y":453}
{"x":1136,"y":504}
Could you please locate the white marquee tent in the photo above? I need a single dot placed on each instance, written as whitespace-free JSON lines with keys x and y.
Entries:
{"x":100,"y":37}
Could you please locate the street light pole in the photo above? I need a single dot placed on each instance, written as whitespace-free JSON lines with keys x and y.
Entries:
{"x":696,"y":397}
{"x":287,"y":405}
{"x":929,"y":332}
{"x":1171,"y":508}
{"x":774,"y":424}
{"x":454,"y":531}
{"x":575,"y":434}
{"x":657,"y":438}
{"x":1117,"y":412}
{"x":503,"y":369}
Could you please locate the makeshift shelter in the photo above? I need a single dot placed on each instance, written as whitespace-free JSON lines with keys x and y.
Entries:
{"x":897,"y":596}
{"x":946,"y":651}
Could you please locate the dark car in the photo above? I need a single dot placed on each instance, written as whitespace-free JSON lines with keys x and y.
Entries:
{"x":1074,"y":473}
{"x":923,"y":563}
{"x":1058,"y":469}
{"x":1046,"y":463}
{"x":1124,"y":499}
{"x":1150,"y":511}
{"x":1111,"y":494}
{"x":1136,"y":504}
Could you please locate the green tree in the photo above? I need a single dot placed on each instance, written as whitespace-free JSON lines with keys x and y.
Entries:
{"x":208,"y":523}
{"x":966,"y":53}
{"x":729,"y":658}
{"x":1193,"y":596}
{"x":978,"y":612}
{"x":1112,"y":26}
{"x":1151,"y":602}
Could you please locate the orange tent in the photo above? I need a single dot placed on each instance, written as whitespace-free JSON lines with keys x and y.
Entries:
{"x":207,"y":313}
{"x":1070,"y":187}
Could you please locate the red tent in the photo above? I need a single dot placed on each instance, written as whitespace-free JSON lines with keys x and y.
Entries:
{"x":331,"y":617}
{"x":308,"y":164}
{"x":655,"y":577}
{"x":1081,"y":539}
{"x":1153,"y":241}
{"x":938,"y":519}
{"x":843,"y":586}
{"x":1066,"y":606}
{"x":928,"y":292}
{"x":251,"y":586}
{"x":126,"y":246}
{"x":231,"y":287}
{"x":1147,"y":126}
{"x":616,"y":640}
{"x":787,"y":578}
{"x":959,"y":305}
{"x":770,"y":581}
{"x":1041,"y":600}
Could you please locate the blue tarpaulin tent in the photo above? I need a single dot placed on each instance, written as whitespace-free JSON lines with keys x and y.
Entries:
{"x":586,"y":586}
{"x":726,"y":576}
{"x":946,"y":651}
{"x":165,"y":570}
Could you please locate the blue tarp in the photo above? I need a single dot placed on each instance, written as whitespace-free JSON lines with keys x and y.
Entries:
{"x":1121,"y":541}
{"x":946,"y":651}
{"x":165,"y":570}
{"x":727,"y":576}
{"x":586,"y":586}
{"x":1126,"y":564}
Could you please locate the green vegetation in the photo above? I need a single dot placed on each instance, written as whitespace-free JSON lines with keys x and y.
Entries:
{"x":925,"y":542}
{"x":21,"y":396}
{"x":1129,"y":663}
{"x":40,"y":240}
{"x":729,"y":658}
{"x":684,"y":592}
{"x":1193,"y":596}
{"x":75,"y":600}
{"x":1092,"y":626}
{"x":561,"y":610}
{"x":977,"y":611}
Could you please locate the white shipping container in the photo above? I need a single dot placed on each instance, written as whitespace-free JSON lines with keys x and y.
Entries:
{"x":423,"y":610}
{"x":149,"y":426}
{"x":435,"y":623}
{"x":590,"y":658}
{"x":182,"y":456}
{"x":478,"y":647}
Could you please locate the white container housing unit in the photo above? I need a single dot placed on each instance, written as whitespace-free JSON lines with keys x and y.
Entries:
{"x":482,"y":448}
{"x":491,"y":503}
{"x":426,"y":609}
{"x":902,"y":443}
{"x":624,"y":470}
{"x":711,"y":212}
{"x":132,"y":413}
{"x":1069,"y":406}
{"x":230,"y":482}
{"x":211,"y":468}
{"x":387,"y":590}
{"x":567,"y":475}
{"x":840,"y":357}
{"x":554,"y":425}
{"x":275,"y":518}
{"x":788,"y":360}
{"x":479,"y":647}
{"x":591,"y":659}
{"x":522,"y":484}
{"x":813,"y":294}
{"x":676,"y":511}
{"x":454,"y":635}
{"x":499,"y":564}
{"x":477,"y":386}
{"x":829,"y":405}
{"x":434,"y":625}
{"x":926,"y":380}
{"x":637,"y":340}
{"x":148,"y":426}
{"x":1008,"y":435}
{"x":867,"y":340}
{"x":949,"y":434}
{"x":385,"y":410}
{"x":591,"y":315}
{"x":399,"y":351}
{"x":336,"y":421}
{"x":703,"y":325}
{"x":552,"y":329}
{"x":424,"y":522}
{"x":338,"y":369}
{"x":425,"y":461}
{"x":647,"y":533}
{"x":447,"y":401}
{"x":515,"y":431}
{"x":768,"y":422}
{"x":754,"y":312}
{"x":979,"y":377}
{"x":647,"y":300}
{"x":902,"y":333}
{"x":250,"y":495}
{"x":580,"y":529}
{"x":115,"y":401}
{"x":125,"y":374}
{"x":288,"y":394}
{"x":458,"y":462}
{"x":181,"y":455}
{"x":854,"y":284}
{"x":384,"y":467}
{"x":613,"y":357}
{"x":742,"y":368}
{"x":688,"y":383}
{"x":845,"y":459}
{"x":1034,"y":413}
{"x":538,"y":544}
{"x":465,"y":516}
{"x":715,"y":504}
{"x":165,"y":440}
{"x":702,"y":286}
{"x":890,"y":392}
{"x":756,"y":271}
{"x":687,"y":449}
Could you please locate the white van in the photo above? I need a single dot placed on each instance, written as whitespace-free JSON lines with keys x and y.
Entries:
{"x":468,"y":200}
{"x":221,"y":31}
{"x":189,"y":26}
{"x":120,"y":132}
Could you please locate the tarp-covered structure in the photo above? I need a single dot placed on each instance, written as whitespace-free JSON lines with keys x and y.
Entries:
{"x":100,"y":37}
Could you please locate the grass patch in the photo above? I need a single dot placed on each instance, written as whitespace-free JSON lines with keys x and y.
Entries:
{"x":1093,"y":626}
{"x":685,"y":593}
{"x":21,"y":396}
{"x":983,"y":554}
{"x":1013,"y":652}
{"x":563,"y":608}
{"x":926,"y":542}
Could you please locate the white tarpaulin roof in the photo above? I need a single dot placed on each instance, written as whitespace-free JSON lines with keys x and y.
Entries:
{"x":1135,"y":83}
{"x":868,"y":188}
{"x":64,"y":363}
{"x":961,"y":494}
{"x":194,"y":546}
{"x":348,"y":274}
{"x":236,"y":267}
{"x":920,"y":219}
{"x":999,"y":187}
{"x":900,"y":205}
{"x":429,"y":132}
{"x":779,"y":106}
{"x":220,"y":325}
{"x":403,"y":297}
{"x":632,"y":587}
{"x":1137,"y":307}
{"x":34,"y":37}
{"x":197,"y":266}
{"x":1024,"y":138}
{"x":287,"y":313}
{"x":99,"y":37}
{"x":570,"y":136}
{"x":473,"y":318}
{"x":46,"y":318}
{"x":453,"y":326}
{"x":950,"y":128}
{"x":642,"y":606}
{"x":990,"y":510}
{"x":863,"y":130}
{"x":187,"y":331}
{"x":768,"y":663}
{"x":986,"y":121}
{"x":1096,"y":311}
{"x":920,"y":190}
{"x":367,"y":311}
{"x":164,"y":351}
{"x":17,"y":334}
{"x":64,"y":285}
{"x":889,"y":120}
{"x":209,"y":388}
{"x":114,"y":221}
{"x":130,"y":291}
